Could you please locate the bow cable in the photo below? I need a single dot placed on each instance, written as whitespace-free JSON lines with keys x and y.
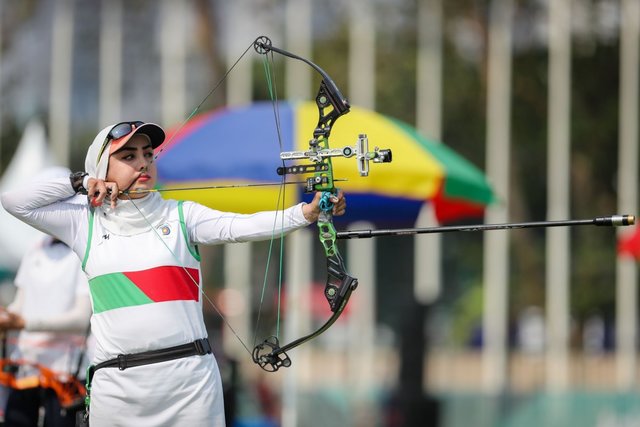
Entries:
{"x":195,"y":282}
{"x":269,"y":66}
{"x":197,"y":108}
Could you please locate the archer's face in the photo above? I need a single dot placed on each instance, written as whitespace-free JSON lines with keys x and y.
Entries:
{"x":132,"y":167}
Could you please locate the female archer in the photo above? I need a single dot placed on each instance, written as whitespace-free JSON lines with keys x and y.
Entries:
{"x":153,"y":364}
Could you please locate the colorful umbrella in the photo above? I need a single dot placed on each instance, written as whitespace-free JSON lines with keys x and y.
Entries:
{"x":629,"y":244}
{"x":238,"y":146}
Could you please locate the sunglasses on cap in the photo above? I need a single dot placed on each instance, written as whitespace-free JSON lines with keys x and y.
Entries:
{"x":123,"y":129}
{"x":118,"y":131}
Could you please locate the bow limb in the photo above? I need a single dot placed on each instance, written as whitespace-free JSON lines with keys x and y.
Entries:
{"x":328,"y":88}
{"x":271,"y":356}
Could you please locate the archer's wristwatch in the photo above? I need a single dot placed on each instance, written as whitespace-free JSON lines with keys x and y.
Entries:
{"x":77,"y":181}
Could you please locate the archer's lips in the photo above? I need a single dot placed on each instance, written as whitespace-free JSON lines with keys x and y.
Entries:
{"x":144,"y":178}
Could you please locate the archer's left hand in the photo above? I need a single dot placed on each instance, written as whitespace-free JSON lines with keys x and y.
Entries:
{"x":311,"y":210}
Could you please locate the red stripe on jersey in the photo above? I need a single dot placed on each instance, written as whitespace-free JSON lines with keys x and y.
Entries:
{"x":167,"y":283}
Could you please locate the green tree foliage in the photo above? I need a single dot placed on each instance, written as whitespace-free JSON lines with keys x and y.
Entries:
{"x":594,"y":136}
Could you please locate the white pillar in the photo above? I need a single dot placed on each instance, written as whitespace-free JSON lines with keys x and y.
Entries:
{"x":429,"y":74}
{"x":1,"y":99}
{"x":626,"y":269}
{"x":237,"y":277}
{"x":110,"y":62}
{"x":173,"y":56}
{"x":298,"y":41}
{"x":362,"y":54}
{"x":428,"y":253}
{"x":496,"y":243}
{"x":298,"y":320}
{"x":559,"y":165}
{"x":239,"y":82}
{"x":361,"y":254}
{"x":239,"y":88}
{"x":297,"y":86}
{"x":61,"y":70}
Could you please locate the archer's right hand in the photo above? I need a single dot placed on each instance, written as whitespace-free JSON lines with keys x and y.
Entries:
{"x":99,"y":190}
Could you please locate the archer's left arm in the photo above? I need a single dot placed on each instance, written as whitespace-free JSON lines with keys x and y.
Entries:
{"x":208,"y":226}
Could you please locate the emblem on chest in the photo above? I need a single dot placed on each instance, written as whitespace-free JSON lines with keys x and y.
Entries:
{"x":164,"y":229}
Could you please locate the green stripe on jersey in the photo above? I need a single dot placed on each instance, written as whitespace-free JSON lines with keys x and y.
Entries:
{"x":115,"y":290}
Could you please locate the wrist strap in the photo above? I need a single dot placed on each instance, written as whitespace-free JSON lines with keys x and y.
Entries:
{"x":77,"y":182}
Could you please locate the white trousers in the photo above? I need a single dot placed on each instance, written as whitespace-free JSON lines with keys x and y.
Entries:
{"x":180,"y":392}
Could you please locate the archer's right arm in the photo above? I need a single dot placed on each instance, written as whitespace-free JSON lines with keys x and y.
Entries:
{"x":46,"y":205}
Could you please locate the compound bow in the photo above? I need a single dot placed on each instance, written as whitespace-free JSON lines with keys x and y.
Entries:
{"x":270,"y":355}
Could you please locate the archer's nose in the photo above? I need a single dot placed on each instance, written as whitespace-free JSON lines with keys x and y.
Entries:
{"x":145,"y":164}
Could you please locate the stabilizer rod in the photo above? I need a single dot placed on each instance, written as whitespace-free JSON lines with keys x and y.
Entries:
{"x":613,"y":221}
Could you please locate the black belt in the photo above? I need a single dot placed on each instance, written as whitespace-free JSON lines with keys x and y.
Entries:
{"x":123,"y":361}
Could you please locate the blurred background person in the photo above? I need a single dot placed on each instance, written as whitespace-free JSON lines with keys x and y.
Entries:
{"x":50,"y":313}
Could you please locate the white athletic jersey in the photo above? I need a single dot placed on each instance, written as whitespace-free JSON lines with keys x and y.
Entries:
{"x":50,"y":279}
{"x":144,"y":288}
{"x":145,"y":295}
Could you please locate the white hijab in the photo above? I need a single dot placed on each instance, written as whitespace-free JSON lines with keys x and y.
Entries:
{"x":130,"y":217}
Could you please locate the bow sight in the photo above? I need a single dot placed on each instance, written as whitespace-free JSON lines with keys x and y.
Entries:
{"x":317,"y":155}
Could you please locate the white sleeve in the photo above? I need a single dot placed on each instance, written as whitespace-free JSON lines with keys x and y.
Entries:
{"x":208,"y":226}
{"x":46,"y":206}
{"x":74,"y":320}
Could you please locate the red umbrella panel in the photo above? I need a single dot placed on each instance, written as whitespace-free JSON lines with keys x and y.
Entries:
{"x":629,"y":244}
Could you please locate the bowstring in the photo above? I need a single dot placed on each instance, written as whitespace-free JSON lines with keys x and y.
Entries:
{"x":269,"y":66}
